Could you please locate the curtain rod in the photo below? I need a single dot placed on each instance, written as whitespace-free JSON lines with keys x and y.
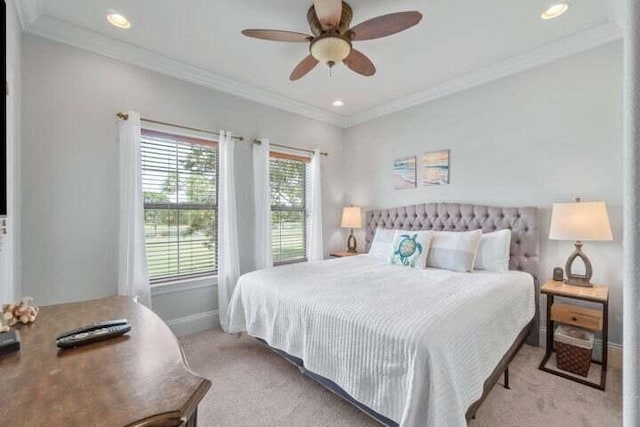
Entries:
{"x":288,"y":147}
{"x":125,"y":116}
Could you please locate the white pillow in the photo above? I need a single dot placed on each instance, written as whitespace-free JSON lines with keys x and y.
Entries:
{"x":453,"y":250}
{"x":493,"y":251}
{"x":410,"y":248}
{"x":382,"y":244}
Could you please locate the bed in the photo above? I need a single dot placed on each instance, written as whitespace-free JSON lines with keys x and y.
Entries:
{"x":409,"y":347}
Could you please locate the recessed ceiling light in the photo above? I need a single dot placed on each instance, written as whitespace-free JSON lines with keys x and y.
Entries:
{"x":118,"y":20}
{"x":337,"y":103}
{"x":555,"y":10}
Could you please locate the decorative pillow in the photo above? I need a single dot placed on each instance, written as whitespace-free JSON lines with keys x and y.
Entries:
{"x":493,"y":251}
{"x":453,"y":250}
{"x":382,"y":244}
{"x":410,"y":248}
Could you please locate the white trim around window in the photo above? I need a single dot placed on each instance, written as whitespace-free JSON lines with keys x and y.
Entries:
{"x":183,"y":285}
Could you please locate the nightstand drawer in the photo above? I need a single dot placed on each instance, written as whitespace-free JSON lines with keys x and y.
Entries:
{"x":587,"y":318}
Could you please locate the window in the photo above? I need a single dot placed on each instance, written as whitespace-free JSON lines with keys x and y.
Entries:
{"x":179,"y":181}
{"x":288,"y":175}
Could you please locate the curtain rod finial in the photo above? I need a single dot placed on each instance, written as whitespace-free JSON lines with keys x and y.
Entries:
{"x":122,"y":116}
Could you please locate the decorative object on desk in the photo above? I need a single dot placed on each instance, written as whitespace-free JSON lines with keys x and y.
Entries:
{"x":21,"y":311}
{"x":351,"y":218}
{"x":558,"y":274}
{"x":435,"y":168}
{"x":4,"y":325}
{"x":404,"y":173}
{"x":580,"y":221}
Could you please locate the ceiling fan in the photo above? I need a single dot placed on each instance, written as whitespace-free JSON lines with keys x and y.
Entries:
{"x":332,"y":38}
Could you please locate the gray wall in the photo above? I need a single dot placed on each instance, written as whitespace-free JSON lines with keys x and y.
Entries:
{"x":535,"y":138}
{"x":531,"y":139}
{"x":70,"y":167}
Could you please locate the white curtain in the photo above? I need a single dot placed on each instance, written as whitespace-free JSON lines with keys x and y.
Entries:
{"x":315,"y":251}
{"x":133,"y":277}
{"x":262,"y":195}
{"x":228,"y":255}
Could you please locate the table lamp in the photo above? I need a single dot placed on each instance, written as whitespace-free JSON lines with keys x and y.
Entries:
{"x":351,"y":218}
{"x":580,"y":221}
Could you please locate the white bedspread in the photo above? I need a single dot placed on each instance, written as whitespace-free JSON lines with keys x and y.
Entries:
{"x":414,"y":345}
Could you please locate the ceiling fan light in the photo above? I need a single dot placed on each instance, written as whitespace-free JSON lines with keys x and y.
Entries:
{"x":331,"y":49}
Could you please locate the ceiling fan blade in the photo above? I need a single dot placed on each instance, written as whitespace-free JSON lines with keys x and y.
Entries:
{"x":358,"y":62}
{"x":277,"y":35}
{"x":329,"y":12}
{"x":306,"y":65}
{"x":385,"y":25}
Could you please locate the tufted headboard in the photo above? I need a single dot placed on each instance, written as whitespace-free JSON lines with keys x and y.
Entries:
{"x":464,"y":217}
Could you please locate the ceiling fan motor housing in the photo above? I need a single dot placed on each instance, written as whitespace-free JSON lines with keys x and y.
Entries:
{"x":343,"y":27}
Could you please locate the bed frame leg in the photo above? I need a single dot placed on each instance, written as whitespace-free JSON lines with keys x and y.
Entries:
{"x":506,"y":379}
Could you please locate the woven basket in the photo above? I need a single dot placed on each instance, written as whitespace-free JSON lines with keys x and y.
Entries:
{"x":573,"y":359}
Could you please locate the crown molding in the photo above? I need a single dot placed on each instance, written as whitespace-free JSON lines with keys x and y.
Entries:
{"x":567,"y":46}
{"x":63,"y":32}
{"x":28,"y":12}
{"x":34,"y":22}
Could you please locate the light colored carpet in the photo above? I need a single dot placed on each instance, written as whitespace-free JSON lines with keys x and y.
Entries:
{"x":252,"y":386}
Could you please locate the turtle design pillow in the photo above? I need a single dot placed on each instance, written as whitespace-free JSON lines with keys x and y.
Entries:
{"x":410,"y":248}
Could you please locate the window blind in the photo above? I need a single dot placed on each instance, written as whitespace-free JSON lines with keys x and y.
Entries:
{"x":288,"y":208}
{"x":179,"y":181}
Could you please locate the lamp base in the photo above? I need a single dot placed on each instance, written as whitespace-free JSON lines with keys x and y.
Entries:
{"x":352,"y":245}
{"x":578,"y":282}
{"x":579,"y":279}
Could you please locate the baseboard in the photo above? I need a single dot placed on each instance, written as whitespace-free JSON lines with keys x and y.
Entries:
{"x":615,"y":350}
{"x":193,"y":323}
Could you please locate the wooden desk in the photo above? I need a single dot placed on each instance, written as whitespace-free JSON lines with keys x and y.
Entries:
{"x":139,"y":379}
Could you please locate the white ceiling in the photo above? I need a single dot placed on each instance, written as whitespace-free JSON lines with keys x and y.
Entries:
{"x":456,"y":39}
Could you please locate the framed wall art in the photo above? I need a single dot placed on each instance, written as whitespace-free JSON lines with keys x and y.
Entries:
{"x":435,"y":168}
{"x":404,"y":173}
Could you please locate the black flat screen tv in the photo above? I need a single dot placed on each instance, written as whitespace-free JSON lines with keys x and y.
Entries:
{"x":3,"y":144}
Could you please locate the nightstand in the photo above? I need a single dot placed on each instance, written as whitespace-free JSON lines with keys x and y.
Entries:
{"x":343,"y":254}
{"x":596,"y":320}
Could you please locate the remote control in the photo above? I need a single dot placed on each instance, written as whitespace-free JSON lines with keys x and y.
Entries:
{"x":98,"y":325}
{"x":92,"y":333}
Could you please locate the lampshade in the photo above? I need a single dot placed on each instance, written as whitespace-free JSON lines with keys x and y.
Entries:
{"x":351,"y":217}
{"x":580,"y":221}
